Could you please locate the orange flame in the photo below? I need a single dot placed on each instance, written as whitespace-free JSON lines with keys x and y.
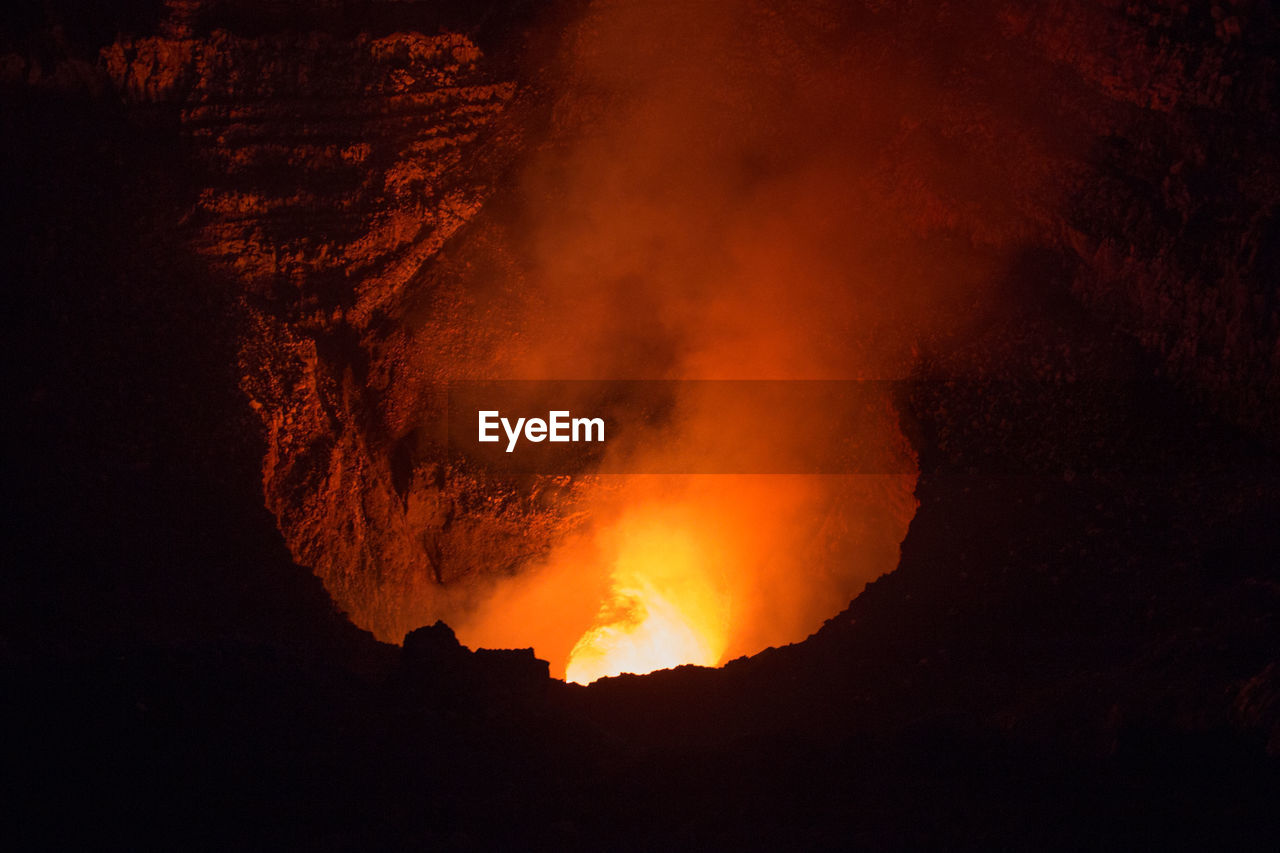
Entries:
{"x":664,"y":608}
{"x":696,"y":570}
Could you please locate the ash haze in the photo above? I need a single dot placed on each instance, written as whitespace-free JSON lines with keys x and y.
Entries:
{"x":746,"y":190}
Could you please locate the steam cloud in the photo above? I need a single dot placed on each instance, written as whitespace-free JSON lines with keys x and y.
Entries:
{"x":742,"y":190}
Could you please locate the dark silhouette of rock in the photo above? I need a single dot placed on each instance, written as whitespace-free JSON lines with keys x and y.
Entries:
{"x":434,"y":659}
{"x":1078,"y":654}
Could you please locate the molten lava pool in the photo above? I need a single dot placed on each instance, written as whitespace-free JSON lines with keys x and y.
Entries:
{"x":664,"y":608}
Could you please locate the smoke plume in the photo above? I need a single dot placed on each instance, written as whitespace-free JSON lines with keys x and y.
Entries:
{"x":743,"y":190}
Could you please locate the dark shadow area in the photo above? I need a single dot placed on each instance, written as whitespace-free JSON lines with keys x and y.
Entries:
{"x":1067,"y":658}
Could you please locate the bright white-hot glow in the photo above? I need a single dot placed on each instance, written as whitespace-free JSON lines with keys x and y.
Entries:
{"x":696,"y":570}
{"x":664,"y":608}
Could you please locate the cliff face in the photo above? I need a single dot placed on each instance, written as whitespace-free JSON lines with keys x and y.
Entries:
{"x":341,"y":180}
{"x":330,"y":171}
{"x":1084,"y":653}
{"x":1176,"y":222}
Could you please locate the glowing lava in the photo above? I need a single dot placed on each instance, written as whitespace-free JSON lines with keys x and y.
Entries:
{"x":664,"y":608}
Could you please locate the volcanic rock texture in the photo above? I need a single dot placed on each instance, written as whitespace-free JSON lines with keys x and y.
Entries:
{"x":1077,"y":649}
{"x":333,"y":170}
{"x":338,"y":173}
